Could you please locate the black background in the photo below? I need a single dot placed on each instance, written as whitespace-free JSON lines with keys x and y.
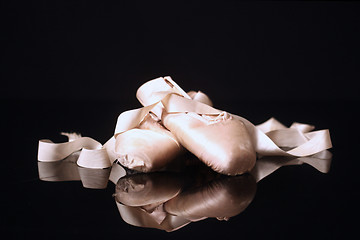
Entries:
{"x":74,"y":66}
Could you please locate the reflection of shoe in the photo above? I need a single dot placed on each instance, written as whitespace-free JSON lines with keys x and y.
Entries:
{"x":221,"y":141}
{"x":169,"y":201}
{"x":140,"y":199}
{"x":148,"y":189}
{"x":137,"y":216}
{"x":222,"y":198}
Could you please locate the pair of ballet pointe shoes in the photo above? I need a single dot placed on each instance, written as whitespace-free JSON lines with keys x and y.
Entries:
{"x":160,"y":135}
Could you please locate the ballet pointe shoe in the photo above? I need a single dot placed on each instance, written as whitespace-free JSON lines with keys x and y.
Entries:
{"x":221,"y":142}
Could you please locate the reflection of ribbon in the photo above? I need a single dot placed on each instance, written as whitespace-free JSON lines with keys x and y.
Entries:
{"x":267,"y":165}
{"x":68,"y":170}
{"x":269,"y":138}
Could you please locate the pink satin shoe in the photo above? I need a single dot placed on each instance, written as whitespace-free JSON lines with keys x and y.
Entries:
{"x":221,"y":141}
{"x":147,"y":148}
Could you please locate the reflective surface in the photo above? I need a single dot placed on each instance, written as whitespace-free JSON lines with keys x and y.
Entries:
{"x":169,"y":200}
{"x":305,"y":198}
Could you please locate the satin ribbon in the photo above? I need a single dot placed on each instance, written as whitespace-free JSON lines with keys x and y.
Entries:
{"x":270,"y":138}
{"x":93,"y":154}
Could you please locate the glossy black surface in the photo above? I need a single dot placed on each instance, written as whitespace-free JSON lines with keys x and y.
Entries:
{"x":76,"y":66}
{"x":293,"y":201}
